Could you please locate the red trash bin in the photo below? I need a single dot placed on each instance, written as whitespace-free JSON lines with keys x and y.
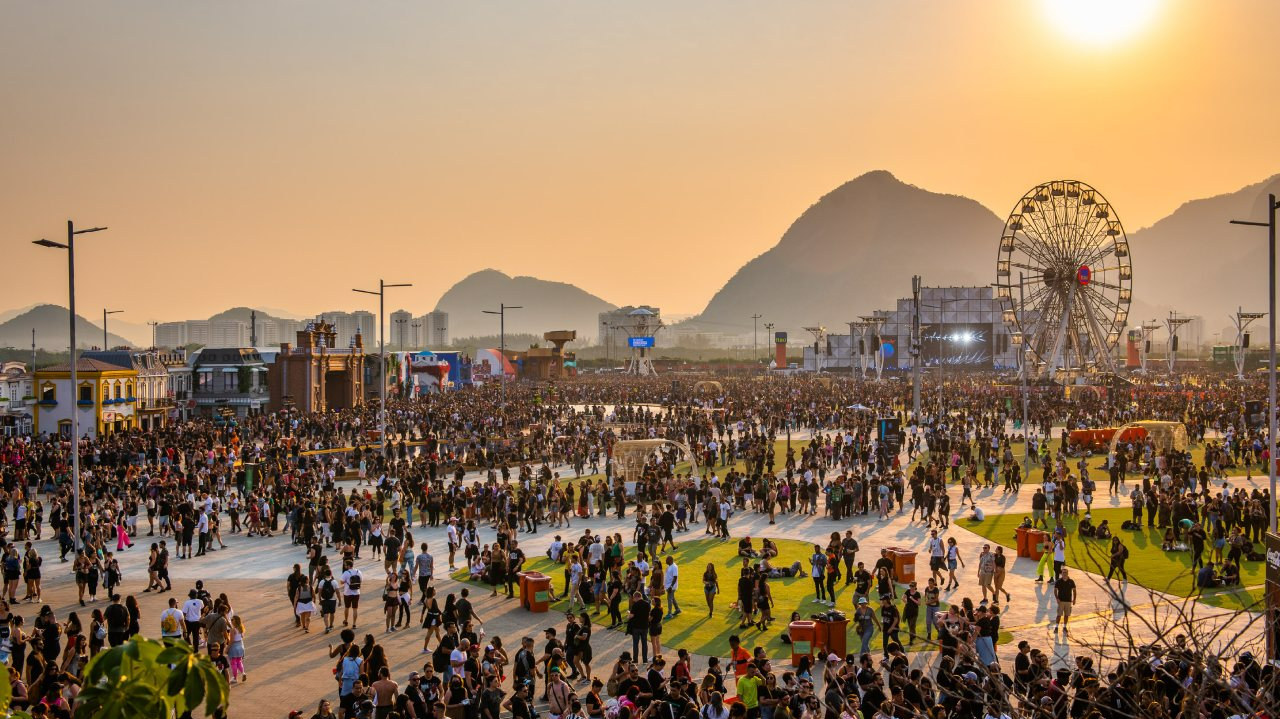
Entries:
{"x":535,"y":591}
{"x":904,"y":564}
{"x":803,"y":633}
{"x":836,"y":640}
{"x":1021,"y":534}
{"x":1038,"y":543}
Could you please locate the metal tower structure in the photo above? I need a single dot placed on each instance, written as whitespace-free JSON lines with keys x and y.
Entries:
{"x":1148,"y":331}
{"x":1242,"y":320}
{"x":1173,"y":323}
{"x":641,"y":327}
{"x":819,"y":339}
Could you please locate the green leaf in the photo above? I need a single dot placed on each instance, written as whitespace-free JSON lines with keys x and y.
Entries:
{"x":194,"y":692}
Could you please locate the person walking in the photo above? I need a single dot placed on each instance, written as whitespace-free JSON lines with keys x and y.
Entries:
{"x":954,"y":560}
{"x":932,"y":603}
{"x":1119,"y":553}
{"x":937,"y":554}
{"x":999,"y":577}
{"x":864,"y":623}
{"x":671,"y":583}
{"x":710,"y":587}
{"x":987,"y":572}
{"x":1065,"y":591}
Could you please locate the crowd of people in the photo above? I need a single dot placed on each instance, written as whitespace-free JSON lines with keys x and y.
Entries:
{"x":479,"y":474}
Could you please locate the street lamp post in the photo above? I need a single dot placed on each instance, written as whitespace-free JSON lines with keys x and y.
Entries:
{"x":382,"y":356}
{"x":70,"y":247}
{"x":501,"y":312}
{"x":1270,"y":224}
{"x":768,"y":332}
{"x":755,"y":336}
{"x":105,"y":345}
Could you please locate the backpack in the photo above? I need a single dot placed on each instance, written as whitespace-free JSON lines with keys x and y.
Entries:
{"x":327,"y":590}
{"x":353,"y":582}
{"x":168,"y":624}
{"x":304,"y":595}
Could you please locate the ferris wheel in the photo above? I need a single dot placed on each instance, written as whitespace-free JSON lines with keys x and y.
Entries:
{"x":1065,"y":276}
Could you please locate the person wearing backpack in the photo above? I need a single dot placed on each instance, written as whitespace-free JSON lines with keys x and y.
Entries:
{"x":351,"y":581}
{"x":1119,"y":553}
{"x":328,"y":589}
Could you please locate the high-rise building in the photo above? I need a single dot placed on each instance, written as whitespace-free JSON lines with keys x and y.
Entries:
{"x":400,"y":331}
{"x":435,"y":329}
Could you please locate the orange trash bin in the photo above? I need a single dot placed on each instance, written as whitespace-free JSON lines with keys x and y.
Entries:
{"x":1021,"y":534}
{"x":1038,"y":543}
{"x":803,"y":635}
{"x":904,"y":564}
{"x":836,"y":640}
{"x":535,"y":591}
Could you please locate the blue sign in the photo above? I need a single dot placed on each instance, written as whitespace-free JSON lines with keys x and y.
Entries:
{"x":640,"y":342}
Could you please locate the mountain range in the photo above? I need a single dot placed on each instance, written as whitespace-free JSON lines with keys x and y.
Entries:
{"x":52,"y":330}
{"x":851,"y":252}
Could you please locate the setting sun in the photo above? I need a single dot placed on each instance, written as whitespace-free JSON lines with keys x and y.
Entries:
{"x":1100,"y":22}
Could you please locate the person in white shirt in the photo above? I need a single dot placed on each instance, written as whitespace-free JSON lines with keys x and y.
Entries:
{"x":671,"y":582}
{"x":556,"y":549}
{"x":454,"y":542}
{"x":172,"y":621}
{"x":351,"y":581}
{"x":192,"y":611}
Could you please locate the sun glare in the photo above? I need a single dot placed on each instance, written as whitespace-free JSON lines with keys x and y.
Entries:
{"x":1100,"y":22}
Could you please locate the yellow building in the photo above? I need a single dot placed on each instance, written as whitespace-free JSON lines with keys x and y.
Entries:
{"x":105,"y":399}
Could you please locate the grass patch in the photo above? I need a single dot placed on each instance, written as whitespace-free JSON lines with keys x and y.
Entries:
{"x":1148,"y":565}
{"x":695,"y":631}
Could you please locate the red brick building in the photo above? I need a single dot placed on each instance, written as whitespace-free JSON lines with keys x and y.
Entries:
{"x":314,"y":375}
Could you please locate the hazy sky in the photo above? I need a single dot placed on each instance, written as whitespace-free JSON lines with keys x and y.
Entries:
{"x":280,"y":153}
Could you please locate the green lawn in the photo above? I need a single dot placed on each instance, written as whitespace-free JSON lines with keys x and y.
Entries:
{"x":695,"y":631}
{"x":1148,"y":565}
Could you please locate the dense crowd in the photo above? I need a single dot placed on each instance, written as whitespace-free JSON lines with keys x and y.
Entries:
{"x":488,"y":472}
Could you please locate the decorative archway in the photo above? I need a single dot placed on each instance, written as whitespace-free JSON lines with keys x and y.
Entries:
{"x":708,"y":387}
{"x":1165,"y":435}
{"x":630,"y":456}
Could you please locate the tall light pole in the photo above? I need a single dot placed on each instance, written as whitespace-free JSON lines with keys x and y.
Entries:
{"x":1270,"y":224}
{"x":382,"y":356}
{"x":105,"y":345}
{"x":755,"y":336}
{"x":154,"y":324}
{"x":70,"y":247}
{"x":768,"y":332}
{"x":400,"y":323}
{"x":501,"y":312}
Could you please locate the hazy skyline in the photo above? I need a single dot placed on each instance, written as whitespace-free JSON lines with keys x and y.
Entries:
{"x":641,"y":151}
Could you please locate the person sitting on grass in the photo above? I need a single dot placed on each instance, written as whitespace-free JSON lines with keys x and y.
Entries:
{"x":745,"y":549}
{"x":1171,"y":543}
{"x":977,"y":515}
{"x":768,"y":550}
{"x":1103,"y":531}
{"x":1207,"y":578}
{"x":1085,"y":528}
{"x":1230,"y":574}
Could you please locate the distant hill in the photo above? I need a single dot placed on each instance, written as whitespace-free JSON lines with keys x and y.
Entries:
{"x":855,"y":251}
{"x":52,"y":332}
{"x":1196,"y":262}
{"x":546,"y":306}
{"x":242,"y":314}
